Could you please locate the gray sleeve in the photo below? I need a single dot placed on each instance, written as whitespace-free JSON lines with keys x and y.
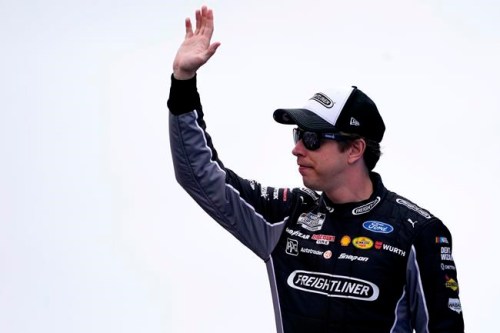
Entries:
{"x":417,"y":299}
{"x":205,"y":179}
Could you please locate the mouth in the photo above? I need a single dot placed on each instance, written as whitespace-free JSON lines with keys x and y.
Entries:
{"x":303,"y":169}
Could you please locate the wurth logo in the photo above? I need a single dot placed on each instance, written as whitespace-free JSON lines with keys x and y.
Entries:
{"x":393,"y":249}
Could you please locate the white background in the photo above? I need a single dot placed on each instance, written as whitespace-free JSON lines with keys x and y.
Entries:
{"x":95,"y":234}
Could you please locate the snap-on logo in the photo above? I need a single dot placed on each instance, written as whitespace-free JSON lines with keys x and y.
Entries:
{"x":333,"y":285}
{"x":377,"y":226}
{"x":323,"y":100}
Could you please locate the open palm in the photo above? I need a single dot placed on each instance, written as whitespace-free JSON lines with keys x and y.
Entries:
{"x":196,"y":48}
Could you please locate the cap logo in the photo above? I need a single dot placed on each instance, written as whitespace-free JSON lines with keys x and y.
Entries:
{"x":323,"y":100}
{"x":354,"y":122}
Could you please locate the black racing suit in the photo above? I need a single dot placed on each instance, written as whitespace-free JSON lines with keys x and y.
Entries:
{"x":381,"y":265}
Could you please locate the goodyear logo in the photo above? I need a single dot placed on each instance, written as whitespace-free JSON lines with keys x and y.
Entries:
{"x":363,"y":243}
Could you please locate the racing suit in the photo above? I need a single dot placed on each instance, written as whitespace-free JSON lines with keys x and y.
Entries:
{"x":381,"y":265}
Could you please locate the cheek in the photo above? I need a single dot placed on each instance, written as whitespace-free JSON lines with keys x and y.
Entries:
{"x":329,"y":152}
{"x":331,"y":159}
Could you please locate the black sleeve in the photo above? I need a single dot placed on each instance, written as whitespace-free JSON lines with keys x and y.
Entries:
{"x":438,"y":275}
{"x":183,"y":96}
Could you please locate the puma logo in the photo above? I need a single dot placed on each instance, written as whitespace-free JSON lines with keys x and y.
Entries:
{"x":412,"y":222}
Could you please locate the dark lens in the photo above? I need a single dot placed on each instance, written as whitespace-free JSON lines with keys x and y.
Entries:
{"x":311,"y":140}
{"x":296,"y":135}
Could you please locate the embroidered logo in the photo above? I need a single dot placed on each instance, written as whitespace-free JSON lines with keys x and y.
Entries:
{"x":323,"y":100}
{"x":379,"y":227}
{"x":366,"y":207}
{"x":311,"y":221}
{"x":333,"y":285}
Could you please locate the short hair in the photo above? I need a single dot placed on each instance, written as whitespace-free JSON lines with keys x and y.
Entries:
{"x":372,"y":152}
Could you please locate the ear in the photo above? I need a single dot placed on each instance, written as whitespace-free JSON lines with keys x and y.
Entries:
{"x":356,"y":150}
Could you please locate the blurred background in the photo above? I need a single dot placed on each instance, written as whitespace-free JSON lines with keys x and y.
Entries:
{"x":96,"y":235}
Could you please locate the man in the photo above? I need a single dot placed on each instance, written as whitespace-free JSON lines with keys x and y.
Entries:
{"x":355,"y":258}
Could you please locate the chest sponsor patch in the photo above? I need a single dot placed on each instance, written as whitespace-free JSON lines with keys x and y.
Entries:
{"x":345,"y":241}
{"x":297,"y":233}
{"x":345,"y":256}
{"x":311,"y":221}
{"x":379,"y":227}
{"x":292,"y":247}
{"x":333,"y":285}
{"x":363,"y":243}
{"x":323,"y":239}
{"x":383,"y":246}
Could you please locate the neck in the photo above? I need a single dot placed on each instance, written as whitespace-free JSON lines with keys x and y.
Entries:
{"x":352,"y":188}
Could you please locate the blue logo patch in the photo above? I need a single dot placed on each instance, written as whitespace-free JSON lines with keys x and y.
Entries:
{"x":377,"y":226}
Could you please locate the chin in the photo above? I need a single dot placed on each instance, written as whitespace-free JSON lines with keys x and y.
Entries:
{"x":311,"y":186}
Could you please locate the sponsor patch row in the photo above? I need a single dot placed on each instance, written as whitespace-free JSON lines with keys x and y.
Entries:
{"x":363,"y":243}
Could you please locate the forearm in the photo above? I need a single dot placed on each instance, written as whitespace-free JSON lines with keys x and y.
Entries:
{"x":183,"y":96}
{"x":235,"y":203}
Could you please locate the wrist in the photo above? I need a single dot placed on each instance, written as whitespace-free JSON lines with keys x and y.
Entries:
{"x":183,"y":75}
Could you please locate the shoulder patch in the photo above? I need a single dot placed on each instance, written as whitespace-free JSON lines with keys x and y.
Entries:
{"x":414,"y":207}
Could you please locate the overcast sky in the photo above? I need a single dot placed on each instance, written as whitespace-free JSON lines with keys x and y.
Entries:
{"x":96,"y":235}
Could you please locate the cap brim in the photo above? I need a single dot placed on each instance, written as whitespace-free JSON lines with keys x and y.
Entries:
{"x":303,"y":118}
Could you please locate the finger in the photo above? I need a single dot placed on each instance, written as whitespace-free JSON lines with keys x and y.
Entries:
{"x":204,"y":10}
{"x":202,"y":19}
{"x":189,"y":27}
{"x":209,"y":22}
{"x":212,"y":48}
{"x":198,"y":21}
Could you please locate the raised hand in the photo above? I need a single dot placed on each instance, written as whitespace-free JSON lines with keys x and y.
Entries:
{"x":196,"y":49}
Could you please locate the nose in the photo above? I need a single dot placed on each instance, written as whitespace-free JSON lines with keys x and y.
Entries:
{"x":299,"y":149}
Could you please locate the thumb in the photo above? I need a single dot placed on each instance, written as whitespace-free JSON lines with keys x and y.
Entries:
{"x":212,"y":48}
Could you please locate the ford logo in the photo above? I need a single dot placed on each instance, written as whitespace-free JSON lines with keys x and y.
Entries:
{"x":377,"y":226}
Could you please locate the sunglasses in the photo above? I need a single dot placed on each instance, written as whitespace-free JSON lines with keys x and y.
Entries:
{"x":312,"y":140}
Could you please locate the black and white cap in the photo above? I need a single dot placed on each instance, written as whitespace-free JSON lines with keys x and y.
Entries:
{"x":347,"y":110}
